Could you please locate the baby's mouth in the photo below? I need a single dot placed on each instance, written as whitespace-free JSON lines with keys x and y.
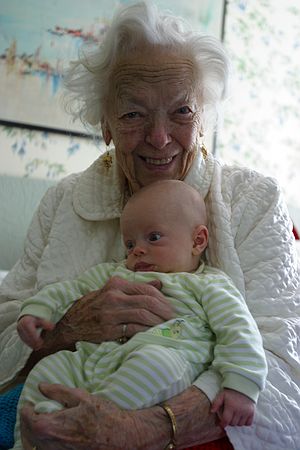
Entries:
{"x":143,"y":267}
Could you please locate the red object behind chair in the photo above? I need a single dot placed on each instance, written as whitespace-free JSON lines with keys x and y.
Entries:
{"x":220,"y":444}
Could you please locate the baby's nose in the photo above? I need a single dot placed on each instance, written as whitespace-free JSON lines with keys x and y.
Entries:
{"x":138,"y":250}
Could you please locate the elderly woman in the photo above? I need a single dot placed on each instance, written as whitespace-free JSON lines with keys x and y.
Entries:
{"x":153,"y":87}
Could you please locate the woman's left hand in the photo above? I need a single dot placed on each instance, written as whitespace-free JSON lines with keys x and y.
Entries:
{"x":87,"y":422}
{"x":80,"y":419}
{"x":90,"y":422}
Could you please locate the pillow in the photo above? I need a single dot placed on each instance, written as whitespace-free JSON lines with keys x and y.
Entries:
{"x":19,"y":197}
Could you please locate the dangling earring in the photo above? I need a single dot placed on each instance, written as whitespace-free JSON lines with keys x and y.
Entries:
{"x":107,"y":160}
{"x":203,"y":148}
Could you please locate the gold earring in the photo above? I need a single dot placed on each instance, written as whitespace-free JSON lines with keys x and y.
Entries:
{"x":107,"y":160}
{"x":204,"y":151}
{"x":203,"y":148}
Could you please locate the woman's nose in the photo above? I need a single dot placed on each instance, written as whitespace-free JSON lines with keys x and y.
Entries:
{"x":158,"y":133}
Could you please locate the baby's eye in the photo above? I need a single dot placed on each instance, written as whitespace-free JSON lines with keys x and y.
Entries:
{"x":129,"y":245}
{"x":154,"y":236}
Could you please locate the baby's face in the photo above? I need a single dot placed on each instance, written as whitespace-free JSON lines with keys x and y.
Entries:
{"x":156,"y":240}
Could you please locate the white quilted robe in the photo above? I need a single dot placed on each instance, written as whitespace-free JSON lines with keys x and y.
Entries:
{"x":77,"y":226}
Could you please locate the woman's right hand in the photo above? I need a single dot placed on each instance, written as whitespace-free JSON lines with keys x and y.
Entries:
{"x":100,"y":315}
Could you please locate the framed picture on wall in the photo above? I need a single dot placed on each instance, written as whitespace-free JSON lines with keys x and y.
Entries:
{"x":39,"y":38}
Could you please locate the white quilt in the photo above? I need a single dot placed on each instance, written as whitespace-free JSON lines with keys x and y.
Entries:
{"x":250,"y":239}
{"x":3,"y":274}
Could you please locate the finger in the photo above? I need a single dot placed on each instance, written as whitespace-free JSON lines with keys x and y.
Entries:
{"x":30,"y":424}
{"x":45,"y":324}
{"x":36,"y":427}
{"x":227,"y":417}
{"x":32,"y":338}
{"x":143,"y":310}
{"x":241,"y":421}
{"x":249,"y":420}
{"x":159,"y":306}
{"x":133,"y":288}
{"x":27,"y":411}
{"x":68,"y":397}
{"x":235,"y":420}
{"x":156,"y":283}
{"x":142,"y":316}
{"x":37,"y":343}
{"x":25,"y":427}
{"x":133,"y":329}
{"x":217,"y":403}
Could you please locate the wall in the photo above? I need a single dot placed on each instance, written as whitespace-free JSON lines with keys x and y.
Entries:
{"x":261,"y":120}
{"x":37,"y":154}
{"x":262,"y":115}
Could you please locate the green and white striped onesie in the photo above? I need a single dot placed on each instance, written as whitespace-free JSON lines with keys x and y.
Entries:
{"x":212,"y":327}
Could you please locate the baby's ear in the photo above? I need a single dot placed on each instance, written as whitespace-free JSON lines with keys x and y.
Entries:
{"x":200,"y":238}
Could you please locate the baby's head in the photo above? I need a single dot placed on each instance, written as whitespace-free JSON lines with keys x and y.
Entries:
{"x":164,"y":228}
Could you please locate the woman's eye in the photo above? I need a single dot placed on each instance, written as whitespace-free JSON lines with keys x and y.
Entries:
{"x":155,"y":236}
{"x":131,"y":115}
{"x":184,"y":110}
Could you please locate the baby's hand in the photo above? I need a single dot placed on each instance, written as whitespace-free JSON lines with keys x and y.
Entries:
{"x":233,"y":408}
{"x":28,"y":328}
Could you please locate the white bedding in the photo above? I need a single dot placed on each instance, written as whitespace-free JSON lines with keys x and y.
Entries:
{"x":3,"y":274}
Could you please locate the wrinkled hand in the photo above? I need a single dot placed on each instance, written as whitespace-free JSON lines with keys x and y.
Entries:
{"x":99,"y":316}
{"x":87,"y":422}
{"x":29,"y":330}
{"x":233,"y":408}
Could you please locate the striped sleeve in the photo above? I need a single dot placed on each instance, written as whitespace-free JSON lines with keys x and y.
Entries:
{"x":52,"y":302}
{"x":238,"y":352}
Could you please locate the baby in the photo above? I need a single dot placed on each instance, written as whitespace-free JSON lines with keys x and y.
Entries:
{"x":165,"y":234}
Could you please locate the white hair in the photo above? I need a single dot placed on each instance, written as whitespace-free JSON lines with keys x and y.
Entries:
{"x":88,"y":79}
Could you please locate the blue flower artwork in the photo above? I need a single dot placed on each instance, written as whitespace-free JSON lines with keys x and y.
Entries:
{"x":38,"y":39}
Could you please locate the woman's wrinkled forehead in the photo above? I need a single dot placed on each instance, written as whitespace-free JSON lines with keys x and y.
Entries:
{"x":154,"y":69}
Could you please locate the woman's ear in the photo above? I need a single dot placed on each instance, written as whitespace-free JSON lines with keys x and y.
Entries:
{"x":200,"y":238}
{"x":105,"y":131}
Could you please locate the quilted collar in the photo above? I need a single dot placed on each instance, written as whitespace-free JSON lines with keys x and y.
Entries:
{"x":99,"y":195}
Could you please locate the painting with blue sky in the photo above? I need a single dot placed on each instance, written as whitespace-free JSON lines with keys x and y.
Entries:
{"x":39,"y":38}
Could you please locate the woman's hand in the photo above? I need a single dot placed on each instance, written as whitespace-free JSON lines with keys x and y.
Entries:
{"x":77,"y":426}
{"x":90,"y":422}
{"x":100,"y":315}
{"x":87,"y":422}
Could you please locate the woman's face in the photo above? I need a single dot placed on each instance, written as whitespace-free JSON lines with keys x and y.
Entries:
{"x":155,"y":116}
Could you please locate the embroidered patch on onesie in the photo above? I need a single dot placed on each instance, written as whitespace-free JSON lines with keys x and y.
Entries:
{"x":172,"y":330}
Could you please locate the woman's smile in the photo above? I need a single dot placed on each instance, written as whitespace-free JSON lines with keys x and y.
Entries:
{"x":158,"y":163}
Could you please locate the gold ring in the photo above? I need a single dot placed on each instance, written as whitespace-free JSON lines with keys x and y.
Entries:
{"x":123,"y":338}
